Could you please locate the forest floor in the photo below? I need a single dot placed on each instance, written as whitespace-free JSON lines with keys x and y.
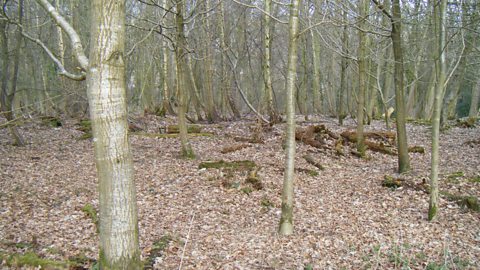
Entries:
{"x":192,"y":218}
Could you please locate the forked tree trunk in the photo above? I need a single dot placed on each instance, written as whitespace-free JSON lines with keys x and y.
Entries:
{"x":286,"y":220}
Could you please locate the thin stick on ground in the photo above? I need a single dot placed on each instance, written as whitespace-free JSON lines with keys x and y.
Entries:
{"x":186,"y":241}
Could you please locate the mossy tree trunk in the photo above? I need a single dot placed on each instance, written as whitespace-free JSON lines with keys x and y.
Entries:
{"x":286,"y":220}
{"x":439,"y":13}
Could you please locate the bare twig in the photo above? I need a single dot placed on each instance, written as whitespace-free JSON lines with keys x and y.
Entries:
{"x":186,"y":241}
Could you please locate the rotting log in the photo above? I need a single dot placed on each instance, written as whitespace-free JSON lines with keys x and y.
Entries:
{"x":416,"y":149}
{"x":172,"y":129}
{"x":386,"y":136}
{"x":315,"y":136}
{"x":170,"y":135}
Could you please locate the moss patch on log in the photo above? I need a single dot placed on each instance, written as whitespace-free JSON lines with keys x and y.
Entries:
{"x":172,"y":129}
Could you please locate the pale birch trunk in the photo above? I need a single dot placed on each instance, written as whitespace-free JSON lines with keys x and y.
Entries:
{"x":286,"y":220}
{"x":440,"y":10}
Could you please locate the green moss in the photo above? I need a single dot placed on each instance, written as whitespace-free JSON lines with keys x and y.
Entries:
{"x":85,"y":136}
{"x":91,"y":212}
{"x":255,"y":182}
{"x":85,"y":125}
{"x":432,"y":212}
{"x":454,"y":175}
{"x":241,"y":164}
{"x":265,"y":202}
{"x":31,"y":259}
{"x":24,"y":245}
{"x":246,"y":190}
{"x":130,"y":263}
{"x":188,"y":153}
{"x":475,"y":179}
{"x":416,"y":149}
{"x":391,"y":182}
{"x":287,"y":214}
{"x":51,"y":121}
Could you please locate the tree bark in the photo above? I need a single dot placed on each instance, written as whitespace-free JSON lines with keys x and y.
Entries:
{"x":6,"y":96}
{"x":186,"y":150}
{"x":440,"y":10}
{"x":475,"y":99}
{"x":343,"y":73}
{"x":286,"y":220}
{"x":403,"y":158}
{"x":362,"y":74}
{"x":119,"y":247}
{"x":272,"y":113}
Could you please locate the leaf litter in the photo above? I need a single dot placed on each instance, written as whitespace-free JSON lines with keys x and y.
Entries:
{"x":344,"y":217}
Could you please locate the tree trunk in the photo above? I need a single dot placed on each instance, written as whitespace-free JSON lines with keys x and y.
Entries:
{"x":272,"y":113}
{"x":343,"y":73}
{"x":475,"y":99}
{"x":403,"y":158}
{"x":440,"y":10}
{"x":6,"y":96}
{"x":187,"y":150}
{"x":286,"y":220}
{"x":212,"y":113}
{"x":362,"y":74}
{"x":106,"y":94}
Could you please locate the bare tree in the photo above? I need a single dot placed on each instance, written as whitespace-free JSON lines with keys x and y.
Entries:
{"x":286,"y":220}
{"x":105,"y":72}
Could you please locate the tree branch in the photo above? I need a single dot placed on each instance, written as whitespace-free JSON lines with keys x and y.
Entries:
{"x":72,"y":34}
